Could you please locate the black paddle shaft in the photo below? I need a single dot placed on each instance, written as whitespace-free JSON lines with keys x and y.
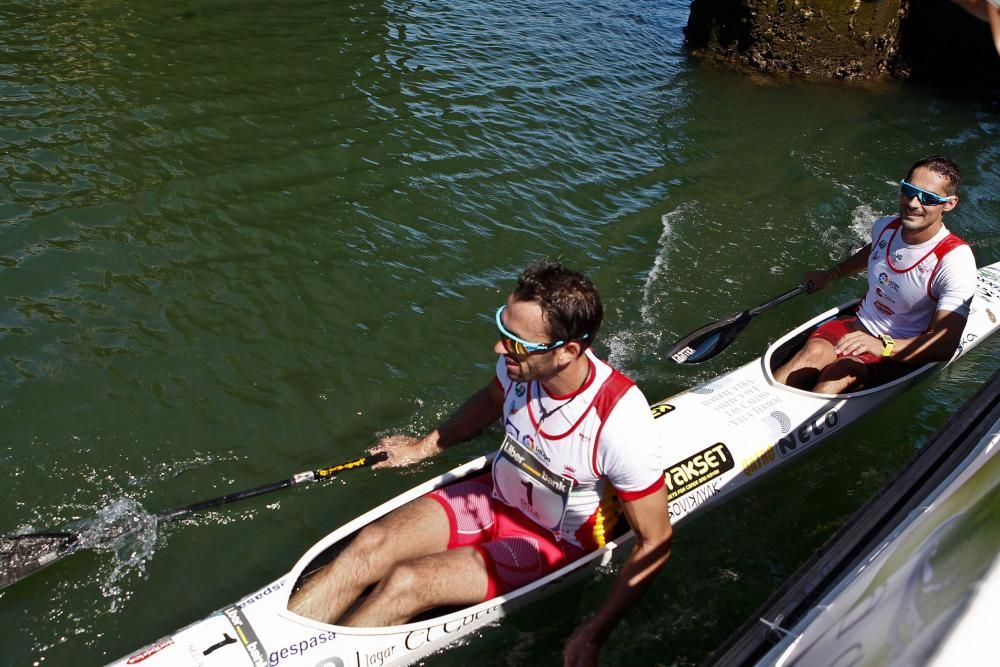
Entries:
{"x":709,"y":340}
{"x":294,"y":480}
{"x":778,"y":300}
{"x":25,"y":554}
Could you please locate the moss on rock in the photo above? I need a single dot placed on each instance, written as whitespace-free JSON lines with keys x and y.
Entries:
{"x":846,"y":39}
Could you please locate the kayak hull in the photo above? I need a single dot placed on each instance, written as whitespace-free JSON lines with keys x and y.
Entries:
{"x":715,"y":440}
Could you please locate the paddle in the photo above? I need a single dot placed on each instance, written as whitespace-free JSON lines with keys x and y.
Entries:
{"x":704,"y":343}
{"x":24,"y":554}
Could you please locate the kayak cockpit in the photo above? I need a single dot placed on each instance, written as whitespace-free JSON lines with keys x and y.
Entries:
{"x":782,"y":350}
{"x":331,"y":547}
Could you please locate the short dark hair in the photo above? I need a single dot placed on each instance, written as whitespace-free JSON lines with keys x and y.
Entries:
{"x":941,"y":165}
{"x":570,"y":303}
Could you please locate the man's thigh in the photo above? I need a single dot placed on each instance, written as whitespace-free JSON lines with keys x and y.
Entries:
{"x":514,"y":550}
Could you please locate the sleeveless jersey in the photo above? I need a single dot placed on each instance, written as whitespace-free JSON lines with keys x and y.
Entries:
{"x":565,"y":458}
{"x":908,"y":283}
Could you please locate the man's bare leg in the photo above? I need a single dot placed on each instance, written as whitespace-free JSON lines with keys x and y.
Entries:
{"x":843,"y":375}
{"x":417,"y":529}
{"x":457,"y":577}
{"x":804,"y":369}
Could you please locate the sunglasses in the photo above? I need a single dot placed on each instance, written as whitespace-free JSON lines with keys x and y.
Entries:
{"x":519,"y":346}
{"x":926,"y":198}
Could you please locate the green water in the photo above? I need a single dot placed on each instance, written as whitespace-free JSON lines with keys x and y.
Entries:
{"x":243,"y":239}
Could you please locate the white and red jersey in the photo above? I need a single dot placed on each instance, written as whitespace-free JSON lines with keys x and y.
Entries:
{"x":600,"y":439}
{"x":908,"y":283}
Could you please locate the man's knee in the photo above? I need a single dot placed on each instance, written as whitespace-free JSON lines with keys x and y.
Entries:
{"x":803,"y":368}
{"x":845,"y":369}
{"x":816,"y":353}
{"x":403,"y":581}
{"x":370,"y":540}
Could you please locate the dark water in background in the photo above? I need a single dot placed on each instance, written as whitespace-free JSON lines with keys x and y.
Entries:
{"x":239,"y":240}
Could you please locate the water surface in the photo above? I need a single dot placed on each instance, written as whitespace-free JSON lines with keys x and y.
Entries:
{"x":240,"y":240}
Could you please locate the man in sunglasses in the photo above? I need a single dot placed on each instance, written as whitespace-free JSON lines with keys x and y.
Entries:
{"x":921,"y":280}
{"x":579,"y":449}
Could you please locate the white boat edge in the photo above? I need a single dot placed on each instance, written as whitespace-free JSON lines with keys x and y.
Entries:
{"x":867,"y":607}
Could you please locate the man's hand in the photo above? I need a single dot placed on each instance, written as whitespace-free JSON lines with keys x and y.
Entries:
{"x":819,"y":279}
{"x":582,"y":648}
{"x":856,"y":263}
{"x":858,"y":343}
{"x":650,"y":521}
{"x":404,"y":450}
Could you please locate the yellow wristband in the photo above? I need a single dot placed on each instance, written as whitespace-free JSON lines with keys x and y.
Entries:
{"x":887,"y":344}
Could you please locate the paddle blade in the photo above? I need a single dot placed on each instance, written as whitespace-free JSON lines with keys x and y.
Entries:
{"x":708,"y":341}
{"x":23,"y":555}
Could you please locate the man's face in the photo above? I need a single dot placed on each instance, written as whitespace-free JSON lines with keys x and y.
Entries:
{"x":917,"y":217}
{"x":525,"y":320}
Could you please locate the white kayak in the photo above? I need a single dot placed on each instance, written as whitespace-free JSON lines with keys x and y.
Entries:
{"x":716,"y":439}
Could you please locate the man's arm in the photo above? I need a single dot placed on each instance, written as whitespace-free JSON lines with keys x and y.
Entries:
{"x":856,"y":263}
{"x":938,"y":343}
{"x":479,"y":411}
{"x":649,"y":518}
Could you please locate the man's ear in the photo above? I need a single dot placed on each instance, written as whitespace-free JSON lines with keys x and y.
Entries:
{"x":573,"y":350}
{"x":952,"y":203}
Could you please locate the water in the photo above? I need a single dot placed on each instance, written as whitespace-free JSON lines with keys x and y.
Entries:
{"x":240,"y":240}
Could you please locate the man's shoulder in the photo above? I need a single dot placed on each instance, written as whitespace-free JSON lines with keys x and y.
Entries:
{"x":607,"y":368}
{"x":879,"y":225}
{"x":957,"y":260}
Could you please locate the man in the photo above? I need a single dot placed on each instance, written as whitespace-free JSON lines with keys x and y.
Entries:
{"x":565,"y":412}
{"x":921,"y":280}
{"x":985,"y":10}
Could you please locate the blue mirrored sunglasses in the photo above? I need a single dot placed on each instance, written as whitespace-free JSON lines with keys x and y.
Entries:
{"x":517,"y":345}
{"x":926,"y":198}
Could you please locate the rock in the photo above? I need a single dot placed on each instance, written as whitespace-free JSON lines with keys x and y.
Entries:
{"x":932,"y":40}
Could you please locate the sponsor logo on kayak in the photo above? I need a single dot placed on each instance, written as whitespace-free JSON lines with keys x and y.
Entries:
{"x":754,"y":463}
{"x":661,"y":409}
{"x":435,"y":633}
{"x":378,"y":658}
{"x":881,"y":307}
{"x":247,"y":636}
{"x":685,"y":504}
{"x":781,"y":420}
{"x":260,"y":595}
{"x":696,"y":470}
{"x":147,"y":652}
{"x":967,"y":340}
{"x":808,"y":433}
{"x":300,"y":647}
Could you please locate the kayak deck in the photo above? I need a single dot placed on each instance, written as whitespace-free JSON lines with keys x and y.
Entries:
{"x":716,"y":439}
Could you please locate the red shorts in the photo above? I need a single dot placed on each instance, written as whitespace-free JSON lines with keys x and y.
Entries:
{"x":881,"y":369}
{"x":516,"y":550}
{"x":836,"y":329}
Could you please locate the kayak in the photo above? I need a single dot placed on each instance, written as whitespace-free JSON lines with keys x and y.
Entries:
{"x":715,"y":439}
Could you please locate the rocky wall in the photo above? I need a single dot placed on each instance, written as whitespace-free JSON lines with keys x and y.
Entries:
{"x":848,"y":39}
